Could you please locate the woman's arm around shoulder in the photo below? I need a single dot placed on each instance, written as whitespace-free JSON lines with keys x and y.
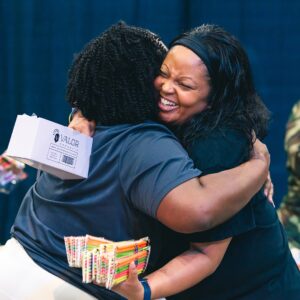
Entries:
{"x":181,"y":273}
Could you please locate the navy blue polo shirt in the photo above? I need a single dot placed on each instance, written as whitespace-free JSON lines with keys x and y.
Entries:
{"x":132,"y":168}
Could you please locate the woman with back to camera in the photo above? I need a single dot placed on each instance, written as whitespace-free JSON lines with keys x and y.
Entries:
{"x":208,"y":97}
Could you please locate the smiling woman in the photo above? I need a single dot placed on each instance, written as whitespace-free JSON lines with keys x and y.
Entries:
{"x":183,"y":84}
{"x":206,"y":87}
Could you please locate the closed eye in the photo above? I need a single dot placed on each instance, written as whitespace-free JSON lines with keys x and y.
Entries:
{"x":162,"y":73}
{"x":185,"y":86}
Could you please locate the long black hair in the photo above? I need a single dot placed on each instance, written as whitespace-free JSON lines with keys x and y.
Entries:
{"x":233,"y":101}
{"x":111,"y":79}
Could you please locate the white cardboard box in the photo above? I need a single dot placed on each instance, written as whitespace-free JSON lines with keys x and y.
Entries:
{"x":48,"y":146}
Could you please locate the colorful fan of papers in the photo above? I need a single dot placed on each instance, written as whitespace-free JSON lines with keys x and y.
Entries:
{"x":105,"y":262}
{"x":11,"y":173}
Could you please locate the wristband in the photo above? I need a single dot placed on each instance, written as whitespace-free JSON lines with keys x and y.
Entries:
{"x":73,"y":112}
{"x":147,"y":290}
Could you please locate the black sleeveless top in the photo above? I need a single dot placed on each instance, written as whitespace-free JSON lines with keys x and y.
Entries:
{"x":257,"y":264}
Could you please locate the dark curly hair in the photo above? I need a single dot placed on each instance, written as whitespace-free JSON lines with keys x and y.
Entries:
{"x":111,"y":79}
{"x":233,"y":101}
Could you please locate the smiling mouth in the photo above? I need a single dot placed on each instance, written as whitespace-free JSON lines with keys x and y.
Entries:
{"x":166,"y":105}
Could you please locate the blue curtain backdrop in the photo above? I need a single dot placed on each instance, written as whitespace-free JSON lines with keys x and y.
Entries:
{"x":39,"y":38}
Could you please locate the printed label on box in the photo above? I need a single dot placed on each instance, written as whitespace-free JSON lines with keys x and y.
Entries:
{"x":51,"y":147}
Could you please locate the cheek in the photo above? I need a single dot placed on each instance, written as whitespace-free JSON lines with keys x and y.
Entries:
{"x":194,"y":103}
{"x":200,"y":102}
{"x":157,"y":83}
{"x":202,"y":106}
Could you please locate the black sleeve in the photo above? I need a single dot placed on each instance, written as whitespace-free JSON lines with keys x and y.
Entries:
{"x":223,"y":149}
